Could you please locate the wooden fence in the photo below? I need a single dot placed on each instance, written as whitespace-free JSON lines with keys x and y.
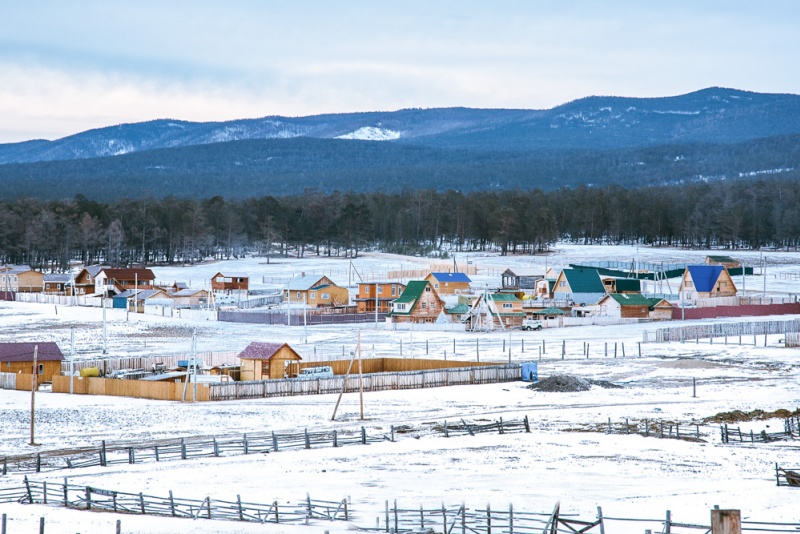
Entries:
{"x":787,"y":476}
{"x":735,"y":435}
{"x":141,"y":389}
{"x":654,"y":428}
{"x":371,"y":382}
{"x":485,"y":520}
{"x":97,"y":499}
{"x":720,"y":330}
{"x":296,"y":318}
{"x":251,"y":443}
{"x":8,"y":380}
{"x":110,"y":364}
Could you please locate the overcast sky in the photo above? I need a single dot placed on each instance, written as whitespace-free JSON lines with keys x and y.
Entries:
{"x":71,"y":66}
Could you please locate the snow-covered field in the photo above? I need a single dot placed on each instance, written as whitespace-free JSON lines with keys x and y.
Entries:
{"x":565,"y":457}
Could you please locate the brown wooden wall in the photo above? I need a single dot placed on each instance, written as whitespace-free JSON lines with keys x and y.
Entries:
{"x":141,"y":389}
{"x":51,"y":369}
{"x":387,"y":365}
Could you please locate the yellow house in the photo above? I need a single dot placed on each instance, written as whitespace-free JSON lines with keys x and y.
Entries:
{"x":315,"y":291}
{"x":449,"y":283}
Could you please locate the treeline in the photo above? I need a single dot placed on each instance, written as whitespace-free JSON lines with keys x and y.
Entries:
{"x":50,"y":235}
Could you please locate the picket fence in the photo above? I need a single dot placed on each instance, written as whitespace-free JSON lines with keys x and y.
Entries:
{"x":8,"y":381}
{"x":369,"y":382}
{"x":720,"y":330}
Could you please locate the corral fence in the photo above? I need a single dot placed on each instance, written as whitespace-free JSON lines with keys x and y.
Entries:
{"x":252,"y":443}
{"x":296,"y":318}
{"x":97,"y":499}
{"x":721,"y":330}
{"x":368,"y":382}
{"x":791,"y":431}
{"x":787,"y":476}
{"x":461,"y":519}
{"x":655,"y":428}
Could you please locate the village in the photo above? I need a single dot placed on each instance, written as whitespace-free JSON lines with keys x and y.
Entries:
{"x":406,"y":345}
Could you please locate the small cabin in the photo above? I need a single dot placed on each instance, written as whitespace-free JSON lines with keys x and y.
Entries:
{"x":18,"y":358}
{"x":229,"y":282}
{"x":265,"y":361}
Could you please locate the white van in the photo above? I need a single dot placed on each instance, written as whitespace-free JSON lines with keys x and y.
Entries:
{"x":325,"y":371}
{"x":532,"y":324}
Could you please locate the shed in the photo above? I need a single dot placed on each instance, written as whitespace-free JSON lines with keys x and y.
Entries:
{"x":262,"y":361}
{"x":18,"y":358}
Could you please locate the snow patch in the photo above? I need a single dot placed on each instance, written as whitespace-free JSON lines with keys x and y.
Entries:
{"x":371,"y":133}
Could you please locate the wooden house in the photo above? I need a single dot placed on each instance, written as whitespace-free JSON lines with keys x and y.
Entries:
{"x":58,"y":284}
{"x":230,"y":282}
{"x":18,"y":358}
{"x":382,"y":293}
{"x":419,"y":303}
{"x":507,"y":307}
{"x":84,"y":282}
{"x":264,"y":361}
{"x":189,"y":298}
{"x":579,"y":285}
{"x":521,"y":279}
{"x":706,"y":281}
{"x":544,"y":288}
{"x":315,"y":291}
{"x":21,"y":278}
{"x":634,"y":306}
{"x":109,"y":281}
{"x":135,"y":300}
{"x":449,"y":283}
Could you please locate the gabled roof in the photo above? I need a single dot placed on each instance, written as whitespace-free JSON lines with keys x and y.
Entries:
{"x":550,"y":311}
{"x":504,"y":297}
{"x":23,"y":352}
{"x":451,"y":277}
{"x":264,"y":351}
{"x":304,"y":282}
{"x":633,"y":299}
{"x":128,"y":274}
{"x":231,"y":275}
{"x":94,"y":270}
{"x":584,"y":281}
{"x":705,"y":276}
{"x":459,"y":309}
{"x":58,"y":277}
{"x":628,"y":284}
{"x":412,"y":292}
{"x":516,"y":271}
{"x":187,"y":292}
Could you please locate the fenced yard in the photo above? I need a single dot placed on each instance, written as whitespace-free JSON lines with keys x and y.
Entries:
{"x":721,"y":330}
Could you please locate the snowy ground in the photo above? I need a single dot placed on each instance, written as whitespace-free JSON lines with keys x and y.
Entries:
{"x":564,"y":458}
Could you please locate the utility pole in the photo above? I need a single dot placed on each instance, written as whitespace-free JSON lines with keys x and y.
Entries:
{"x":376,"y":305}
{"x":105,"y":336}
{"x":360,"y":378}
{"x":764,"y":271}
{"x":71,"y":359}
{"x":305,"y":318}
{"x":34,"y":386}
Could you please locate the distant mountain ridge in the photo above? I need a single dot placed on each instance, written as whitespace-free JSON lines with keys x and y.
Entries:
{"x":714,"y":115}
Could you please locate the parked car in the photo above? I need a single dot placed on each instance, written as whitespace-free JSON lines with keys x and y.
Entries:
{"x":532,"y":324}
{"x":324,"y":371}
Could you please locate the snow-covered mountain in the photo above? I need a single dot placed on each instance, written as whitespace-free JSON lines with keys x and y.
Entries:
{"x":714,"y":115}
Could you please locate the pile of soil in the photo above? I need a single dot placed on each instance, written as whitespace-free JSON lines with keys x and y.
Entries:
{"x":737,"y":416}
{"x":569,"y":383}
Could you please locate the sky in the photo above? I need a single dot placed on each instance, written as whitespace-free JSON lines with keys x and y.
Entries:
{"x":66,"y":67}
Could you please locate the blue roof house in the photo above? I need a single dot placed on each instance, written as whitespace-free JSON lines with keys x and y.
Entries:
{"x":449,"y":283}
{"x":706,"y":281}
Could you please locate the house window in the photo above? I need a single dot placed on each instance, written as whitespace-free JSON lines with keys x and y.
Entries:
{"x":436,"y":285}
{"x":424,"y":305}
{"x":427,"y":289}
{"x":562,"y":284}
{"x":299,"y":295}
{"x":219,"y":279}
{"x":507,"y":305}
{"x":41,"y":368}
{"x":325,"y":296}
{"x":380,"y":290}
{"x":689,"y":284}
{"x":312,"y":296}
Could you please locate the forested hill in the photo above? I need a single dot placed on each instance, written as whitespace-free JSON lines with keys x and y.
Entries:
{"x":252,"y":168}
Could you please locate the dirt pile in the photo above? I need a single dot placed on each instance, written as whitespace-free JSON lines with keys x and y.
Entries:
{"x":569,"y":383}
{"x":737,"y":416}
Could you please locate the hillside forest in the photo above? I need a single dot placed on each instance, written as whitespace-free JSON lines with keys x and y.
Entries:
{"x":49,"y":235}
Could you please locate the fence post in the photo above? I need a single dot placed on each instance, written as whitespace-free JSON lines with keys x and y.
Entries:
{"x":141,"y":504}
{"x":668,"y":523}
{"x":103,"y":453}
{"x":363,"y":435}
{"x":426,"y":347}
{"x":488,"y":518}
{"x":606,"y":348}
{"x":640,"y":349}
{"x":88,"y":498}
{"x":387,"y":514}
{"x":623,"y":349}
{"x":600,"y":520}
{"x":527,"y":424}
{"x":336,"y":438}
{"x":274,"y":442}
{"x":119,"y":526}
{"x":563,"y":348}
{"x":66,"y":493}
{"x":41,"y":519}
{"x":171,"y":504}
{"x":239,"y":504}
{"x":183,"y":449}
{"x":308,"y":440}
{"x":615,"y":350}
{"x":3,"y":524}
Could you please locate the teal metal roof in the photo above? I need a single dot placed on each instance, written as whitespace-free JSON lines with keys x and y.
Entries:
{"x":459,"y":309}
{"x":584,"y":281}
{"x":633,"y":299}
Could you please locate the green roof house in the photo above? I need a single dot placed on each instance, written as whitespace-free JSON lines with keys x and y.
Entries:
{"x":579,"y":285}
{"x":419,"y":303}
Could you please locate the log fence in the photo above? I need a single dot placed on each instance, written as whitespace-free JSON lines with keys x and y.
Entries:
{"x":98,"y":499}
{"x":460,"y":519}
{"x":787,"y":476}
{"x":251,"y":443}
{"x":654,"y":428}
{"x":791,"y":431}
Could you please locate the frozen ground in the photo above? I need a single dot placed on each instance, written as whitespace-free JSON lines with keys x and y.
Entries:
{"x":565,"y":457}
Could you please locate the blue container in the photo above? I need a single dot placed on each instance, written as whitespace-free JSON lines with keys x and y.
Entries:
{"x":530,"y":371}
